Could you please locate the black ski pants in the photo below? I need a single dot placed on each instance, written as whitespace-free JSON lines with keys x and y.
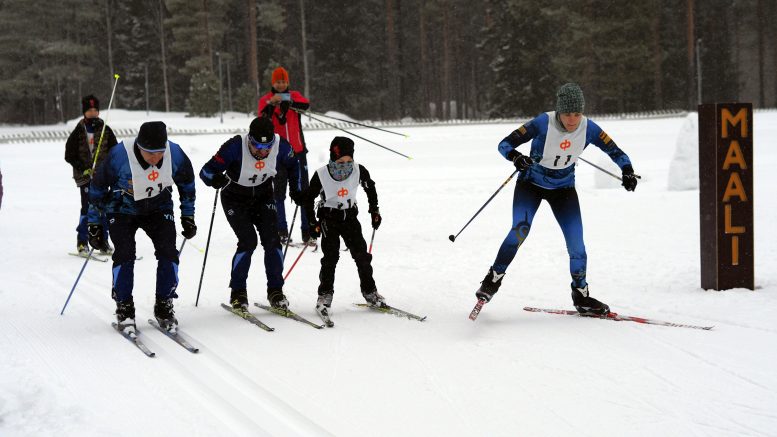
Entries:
{"x":247,"y":216}
{"x":350,"y":230}
{"x":160,"y":228}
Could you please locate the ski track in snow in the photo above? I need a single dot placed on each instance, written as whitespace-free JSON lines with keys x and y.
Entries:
{"x":509,"y":373}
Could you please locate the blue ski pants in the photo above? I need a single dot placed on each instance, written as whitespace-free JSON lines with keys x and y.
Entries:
{"x":566,"y":208}
{"x":247,"y":216}
{"x":160,"y":228}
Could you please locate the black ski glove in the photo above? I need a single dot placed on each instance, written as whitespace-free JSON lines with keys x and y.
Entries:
{"x":220,"y":180}
{"x":629,"y":178}
{"x":376,"y":219}
{"x":97,"y":236}
{"x":520,"y":161}
{"x":189,"y":228}
{"x":296,"y":197}
{"x":314,"y":229}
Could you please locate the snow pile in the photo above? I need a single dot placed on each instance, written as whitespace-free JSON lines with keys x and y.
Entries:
{"x":684,"y":167}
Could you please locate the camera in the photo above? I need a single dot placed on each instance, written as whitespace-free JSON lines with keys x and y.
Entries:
{"x":285,"y":97}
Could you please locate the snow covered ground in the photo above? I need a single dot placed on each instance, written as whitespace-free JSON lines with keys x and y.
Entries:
{"x":509,"y":373}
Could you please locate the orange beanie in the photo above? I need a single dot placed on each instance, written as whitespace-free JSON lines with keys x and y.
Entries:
{"x":279,"y":73}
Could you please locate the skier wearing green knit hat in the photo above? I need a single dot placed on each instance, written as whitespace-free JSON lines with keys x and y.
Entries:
{"x":548,"y":173}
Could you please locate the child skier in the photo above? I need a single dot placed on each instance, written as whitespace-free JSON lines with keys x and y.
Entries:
{"x":132,"y":188}
{"x":337,"y":183}
{"x":250,"y":162}
{"x":548,"y":172}
{"x":80,"y":150}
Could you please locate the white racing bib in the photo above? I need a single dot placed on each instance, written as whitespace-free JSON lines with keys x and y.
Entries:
{"x":339,"y":194}
{"x":255,"y":171}
{"x":152,"y":181}
{"x":563,"y":148}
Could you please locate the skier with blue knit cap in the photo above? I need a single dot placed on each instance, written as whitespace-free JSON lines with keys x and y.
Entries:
{"x":133,"y":189}
{"x":244,"y":169}
{"x":548,"y":173}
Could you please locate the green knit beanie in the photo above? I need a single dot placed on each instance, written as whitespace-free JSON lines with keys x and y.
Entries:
{"x":569,"y":98}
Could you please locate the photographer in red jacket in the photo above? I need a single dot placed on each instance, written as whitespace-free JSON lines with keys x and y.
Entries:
{"x":281,"y":105}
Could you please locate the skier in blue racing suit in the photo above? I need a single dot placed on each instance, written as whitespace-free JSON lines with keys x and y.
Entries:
{"x":548,"y":172}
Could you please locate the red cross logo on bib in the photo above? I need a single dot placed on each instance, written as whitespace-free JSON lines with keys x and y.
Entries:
{"x":154,"y":175}
{"x":259,"y":164}
{"x":342,"y":192}
{"x":565,"y":145}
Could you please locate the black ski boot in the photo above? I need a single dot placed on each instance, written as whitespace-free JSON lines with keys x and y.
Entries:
{"x":239,"y":299}
{"x":374,"y":298}
{"x":165,"y":316}
{"x":586,"y":305}
{"x":107,"y":250}
{"x":324,"y":302}
{"x":277,"y":299}
{"x":82,"y":247}
{"x":125,"y":316}
{"x":283,"y":235}
{"x":489,"y":285}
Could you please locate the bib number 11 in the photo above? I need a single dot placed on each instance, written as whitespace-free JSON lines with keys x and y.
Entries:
{"x":555,"y":163}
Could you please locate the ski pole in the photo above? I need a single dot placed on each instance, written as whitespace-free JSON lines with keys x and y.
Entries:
{"x":371,"y":240}
{"x":288,"y":239}
{"x":207,"y":246}
{"x":605,"y":171}
{"x":295,"y":262}
{"x":453,"y":237}
{"x":181,"y":249}
{"x":351,"y":133}
{"x":359,"y":124}
{"x":105,"y":123}
{"x":77,"y":279}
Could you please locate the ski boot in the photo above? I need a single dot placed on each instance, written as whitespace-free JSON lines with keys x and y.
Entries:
{"x":283,"y":235}
{"x":239,"y":299}
{"x":165,"y":316}
{"x":107,"y":250}
{"x":83,"y":248}
{"x":324,"y":302}
{"x":374,"y":298}
{"x":277,"y":299}
{"x":586,"y":305}
{"x":489,"y":285}
{"x":125,"y":317}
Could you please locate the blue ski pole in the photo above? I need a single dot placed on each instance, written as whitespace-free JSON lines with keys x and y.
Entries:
{"x":77,"y":279}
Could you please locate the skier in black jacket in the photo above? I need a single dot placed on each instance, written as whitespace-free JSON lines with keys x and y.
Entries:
{"x":80,"y":149}
{"x":244,"y":168}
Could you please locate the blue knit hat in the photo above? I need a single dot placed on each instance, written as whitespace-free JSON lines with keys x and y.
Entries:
{"x":569,"y":98}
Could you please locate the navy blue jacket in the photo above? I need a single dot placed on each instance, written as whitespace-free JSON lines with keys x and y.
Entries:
{"x":111,"y":188}
{"x":229,"y":158}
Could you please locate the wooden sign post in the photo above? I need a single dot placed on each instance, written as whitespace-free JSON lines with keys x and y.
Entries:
{"x":726,"y":195}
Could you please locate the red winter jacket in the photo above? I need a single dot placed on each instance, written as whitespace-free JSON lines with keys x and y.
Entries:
{"x":287,"y":122}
